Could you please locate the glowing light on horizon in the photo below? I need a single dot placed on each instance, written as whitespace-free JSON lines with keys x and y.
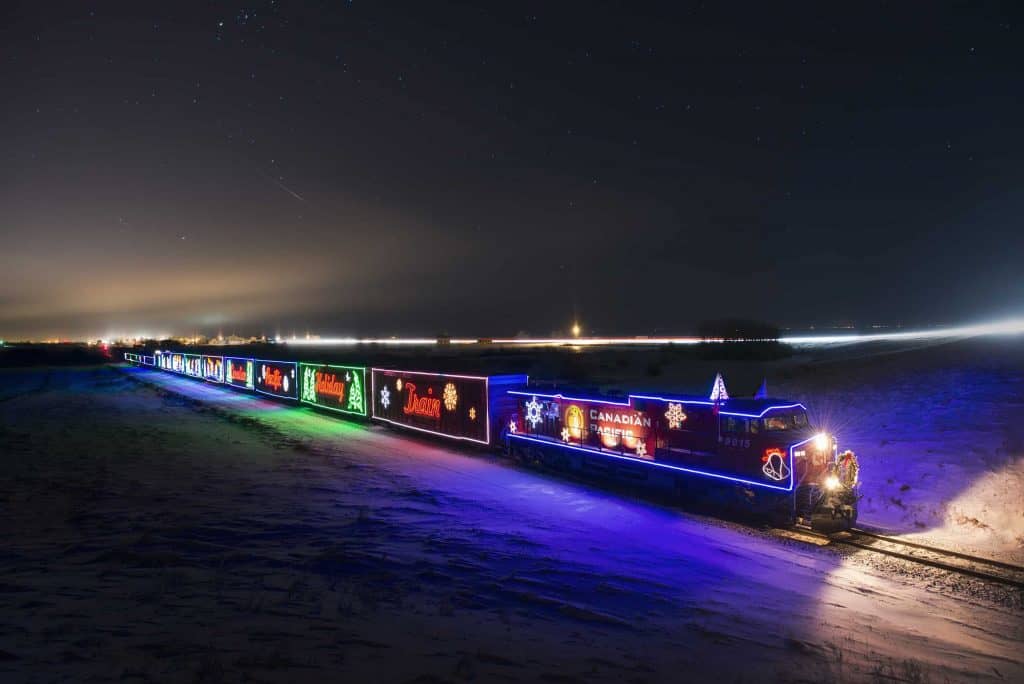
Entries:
{"x":1013,"y":326}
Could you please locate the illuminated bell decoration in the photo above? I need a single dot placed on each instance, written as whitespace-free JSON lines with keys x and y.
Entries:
{"x":675,"y":416}
{"x":775,"y":466}
{"x":450,"y":396}
{"x":533,"y":412}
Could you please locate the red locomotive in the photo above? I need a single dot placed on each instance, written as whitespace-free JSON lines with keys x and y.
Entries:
{"x":763,"y":450}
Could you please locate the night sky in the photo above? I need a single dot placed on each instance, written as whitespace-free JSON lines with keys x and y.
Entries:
{"x":422,"y":168}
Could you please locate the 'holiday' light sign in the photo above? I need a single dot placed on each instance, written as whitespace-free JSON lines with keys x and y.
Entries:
{"x":338,"y":388}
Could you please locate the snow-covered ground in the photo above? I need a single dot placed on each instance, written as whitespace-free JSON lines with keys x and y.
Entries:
{"x":170,"y":530}
{"x":939,"y":431}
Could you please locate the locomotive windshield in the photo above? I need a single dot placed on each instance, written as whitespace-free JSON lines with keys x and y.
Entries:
{"x":778,"y":421}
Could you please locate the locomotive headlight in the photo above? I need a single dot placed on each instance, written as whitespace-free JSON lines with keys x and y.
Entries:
{"x":831,"y":483}
{"x":822,"y":441}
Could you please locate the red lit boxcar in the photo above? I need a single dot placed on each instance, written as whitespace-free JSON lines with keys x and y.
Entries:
{"x":469,"y":408}
{"x":277,"y":378}
{"x":764,"y":449}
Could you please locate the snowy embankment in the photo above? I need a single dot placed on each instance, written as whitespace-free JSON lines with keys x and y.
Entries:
{"x":939,"y":431}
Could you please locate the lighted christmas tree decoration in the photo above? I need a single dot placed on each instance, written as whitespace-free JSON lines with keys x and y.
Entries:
{"x":533,"y":412}
{"x":309,"y":384}
{"x":385,"y":397}
{"x":762,"y":392}
{"x":355,"y":394}
{"x":675,"y":416}
{"x":718,"y":392}
{"x":450,"y":396}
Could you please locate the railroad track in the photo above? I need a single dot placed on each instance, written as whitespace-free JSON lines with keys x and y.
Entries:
{"x":952,"y":561}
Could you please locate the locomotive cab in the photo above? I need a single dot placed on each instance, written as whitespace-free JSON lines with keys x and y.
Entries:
{"x":825,"y":481}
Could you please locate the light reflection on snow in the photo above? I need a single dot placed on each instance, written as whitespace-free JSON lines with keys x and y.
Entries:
{"x":897,"y":624}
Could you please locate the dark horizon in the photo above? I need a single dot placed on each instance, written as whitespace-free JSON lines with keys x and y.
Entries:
{"x":415,"y":169}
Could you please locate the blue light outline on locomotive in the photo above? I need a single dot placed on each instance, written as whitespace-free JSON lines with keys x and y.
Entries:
{"x":271,"y":394}
{"x":676,"y":400}
{"x":668,"y":466}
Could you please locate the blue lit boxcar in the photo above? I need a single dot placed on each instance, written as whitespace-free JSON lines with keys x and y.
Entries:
{"x":759,"y":452}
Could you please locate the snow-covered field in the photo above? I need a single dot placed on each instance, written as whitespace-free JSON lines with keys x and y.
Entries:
{"x":157,"y":528}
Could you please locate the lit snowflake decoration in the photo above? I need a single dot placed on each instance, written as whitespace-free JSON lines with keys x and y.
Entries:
{"x":641,"y":449}
{"x":775,"y":466}
{"x":533,"y":412}
{"x":385,"y":397}
{"x":450,"y":396}
{"x":472,"y":413}
{"x":512,"y":426}
{"x":675,"y":416}
{"x":565,"y":434}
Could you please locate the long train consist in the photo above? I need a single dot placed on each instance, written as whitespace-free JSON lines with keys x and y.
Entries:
{"x":758,"y":454}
